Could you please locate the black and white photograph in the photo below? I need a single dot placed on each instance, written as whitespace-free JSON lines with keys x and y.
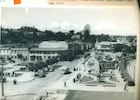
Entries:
{"x":55,"y":53}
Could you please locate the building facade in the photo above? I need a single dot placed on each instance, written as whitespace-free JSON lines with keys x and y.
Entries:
{"x":79,"y":46}
{"x":105,"y":46}
{"x":5,"y":52}
{"x":48,"y":50}
{"x":42,"y":54}
{"x":19,"y":54}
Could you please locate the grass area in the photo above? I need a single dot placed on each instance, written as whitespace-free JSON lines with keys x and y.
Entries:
{"x":113,"y":79}
{"x":86,"y":78}
{"x":93,"y":82}
{"x":95,"y":95}
{"x":90,"y":80}
{"x":94,"y":74}
{"x":108,"y":75}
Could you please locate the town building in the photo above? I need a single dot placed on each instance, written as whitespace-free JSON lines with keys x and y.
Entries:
{"x":5,"y":52}
{"x":105,"y":46}
{"x":48,"y":50}
{"x":79,"y":46}
{"x":60,"y":50}
{"x":19,"y":54}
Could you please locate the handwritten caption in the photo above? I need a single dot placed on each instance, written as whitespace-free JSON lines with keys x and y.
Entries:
{"x":89,"y":2}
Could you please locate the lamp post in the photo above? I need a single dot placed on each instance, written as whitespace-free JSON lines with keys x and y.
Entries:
{"x":2,"y":60}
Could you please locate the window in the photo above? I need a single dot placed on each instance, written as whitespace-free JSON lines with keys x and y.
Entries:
{"x":49,"y":57}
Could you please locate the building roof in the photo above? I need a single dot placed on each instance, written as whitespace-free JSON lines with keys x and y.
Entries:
{"x":19,"y":48}
{"x":107,"y":43}
{"x":4,"y":48}
{"x":47,"y":49}
{"x":52,"y":45}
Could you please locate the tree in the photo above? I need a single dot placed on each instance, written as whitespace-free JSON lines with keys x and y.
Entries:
{"x":87,"y":32}
{"x":36,"y":66}
{"x":20,"y":56}
{"x":71,"y":32}
{"x":87,"y":27}
{"x":51,"y":61}
{"x":9,"y":58}
{"x":60,"y":36}
{"x":49,"y":35}
{"x":41,"y":65}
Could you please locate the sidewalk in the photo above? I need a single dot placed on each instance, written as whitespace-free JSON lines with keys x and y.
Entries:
{"x":25,"y":77}
{"x":76,"y":86}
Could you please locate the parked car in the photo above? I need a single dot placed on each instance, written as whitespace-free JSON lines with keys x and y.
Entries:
{"x":65,"y":70}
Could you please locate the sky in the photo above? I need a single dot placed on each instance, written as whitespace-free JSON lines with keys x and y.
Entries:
{"x":114,"y":21}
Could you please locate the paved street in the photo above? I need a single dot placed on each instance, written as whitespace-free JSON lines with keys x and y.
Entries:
{"x":25,"y":91}
{"x":55,"y":81}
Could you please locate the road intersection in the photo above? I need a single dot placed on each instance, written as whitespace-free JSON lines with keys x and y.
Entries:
{"x":54,"y":81}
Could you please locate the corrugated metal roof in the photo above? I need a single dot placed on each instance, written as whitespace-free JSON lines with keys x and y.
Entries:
{"x":19,"y":48}
{"x":47,"y":49}
{"x":107,"y":43}
{"x":52,"y":45}
{"x":4,"y":48}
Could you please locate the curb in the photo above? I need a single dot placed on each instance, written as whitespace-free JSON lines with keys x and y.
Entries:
{"x":28,"y":80}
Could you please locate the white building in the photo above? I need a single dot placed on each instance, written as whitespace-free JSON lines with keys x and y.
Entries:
{"x":19,"y":53}
{"x":5,"y":52}
{"x":62,"y":45}
{"x":105,"y":46}
{"x":48,"y":50}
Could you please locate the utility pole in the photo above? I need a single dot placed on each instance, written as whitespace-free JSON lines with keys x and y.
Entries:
{"x":2,"y":84}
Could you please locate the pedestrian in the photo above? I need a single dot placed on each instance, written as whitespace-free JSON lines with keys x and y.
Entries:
{"x":74,"y":80}
{"x":9,"y":74}
{"x":13,"y":73}
{"x":15,"y":81}
{"x":77,"y":76}
{"x":46,"y":93}
{"x":64,"y":84}
{"x":58,"y":92}
{"x":40,"y":97}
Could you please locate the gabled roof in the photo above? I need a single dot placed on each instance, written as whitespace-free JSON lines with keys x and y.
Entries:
{"x":48,"y":45}
{"x":107,"y":43}
{"x":47,"y":49}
